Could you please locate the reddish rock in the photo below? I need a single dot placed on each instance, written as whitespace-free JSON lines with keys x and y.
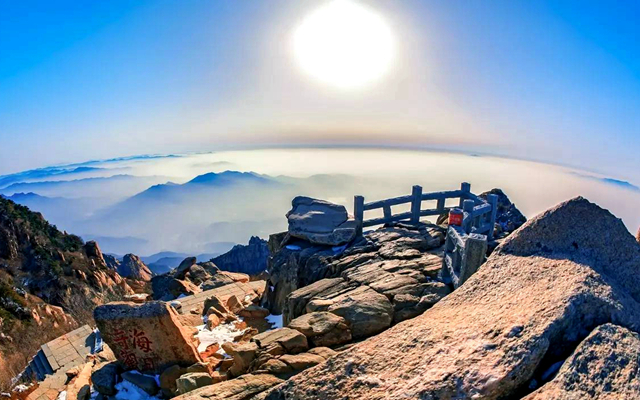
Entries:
{"x":148,"y":337}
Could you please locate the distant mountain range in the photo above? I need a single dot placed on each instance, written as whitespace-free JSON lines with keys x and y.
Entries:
{"x":131,"y":214}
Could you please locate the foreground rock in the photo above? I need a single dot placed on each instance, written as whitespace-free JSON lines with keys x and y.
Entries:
{"x":543,"y":291}
{"x":604,"y":366}
{"x":147,"y":337}
{"x":242,"y":388}
{"x":320,"y":222}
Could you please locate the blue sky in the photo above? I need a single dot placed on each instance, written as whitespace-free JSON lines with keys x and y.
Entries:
{"x":557,"y":81}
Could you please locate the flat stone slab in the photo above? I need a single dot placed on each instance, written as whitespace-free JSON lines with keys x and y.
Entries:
{"x":147,"y":337}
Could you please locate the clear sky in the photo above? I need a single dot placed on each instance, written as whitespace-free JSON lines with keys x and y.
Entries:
{"x":556,"y":81}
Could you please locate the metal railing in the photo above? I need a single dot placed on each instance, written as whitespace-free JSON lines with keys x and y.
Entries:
{"x":479,"y":215}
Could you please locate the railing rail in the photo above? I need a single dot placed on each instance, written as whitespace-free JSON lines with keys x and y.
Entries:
{"x":479,"y":215}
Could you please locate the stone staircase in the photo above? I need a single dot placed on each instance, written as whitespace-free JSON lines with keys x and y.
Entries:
{"x":63,"y":353}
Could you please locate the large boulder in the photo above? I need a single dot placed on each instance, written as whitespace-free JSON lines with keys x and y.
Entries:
{"x":104,"y":378}
{"x":322,"y":328}
{"x":282,"y":340}
{"x":192,"y":381}
{"x":241,"y":388}
{"x":147,"y":337}
{"x":604,"y":366}
{"x":144,"y":382}
{"x":320,"y":222}
{"x":366,"y":311}
{"x":133,"y":267}
{"x":222,"y":278}
{"x":538,"y":296}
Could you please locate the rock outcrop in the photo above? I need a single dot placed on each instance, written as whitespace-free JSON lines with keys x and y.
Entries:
{"x":508,"y":218}
{"x":132,"y":267}
{"x":248,"y":259}
{"x":320,"y":222}
{"x":543,"y":291}
{"x":190,"y":278}
{"x":242,"y":388}
{"x":395,"y":257}
{"x":604,"y":366}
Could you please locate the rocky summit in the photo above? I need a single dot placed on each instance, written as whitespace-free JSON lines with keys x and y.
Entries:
{"x":553,"y":313}
{"x":532,"y":309}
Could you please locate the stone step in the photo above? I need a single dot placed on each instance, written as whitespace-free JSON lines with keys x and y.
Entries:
{"x":45,"y":363}
{"x":40,"y":370}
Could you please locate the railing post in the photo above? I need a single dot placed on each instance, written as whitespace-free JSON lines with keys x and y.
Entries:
{"x":493,"y":200}
{"x":358,"y":213}
{"x":465,"y":188}
{"x":416,"y":203}
{"x":473,"y":255}
{"x":467,"y":221}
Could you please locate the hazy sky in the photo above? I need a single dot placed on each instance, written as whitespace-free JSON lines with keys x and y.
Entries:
{"x":556,"y":81}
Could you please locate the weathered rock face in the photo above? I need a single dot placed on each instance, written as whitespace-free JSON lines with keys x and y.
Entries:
{"x":250,"y":259}
{"x":544,"y":290}
{"x":132,"y":267}
{"x":242,"y":388}
{"x":398,"y":258}
{"x":604,"y":366}
{"x":148,"y":337}
{"x":320,"y":222}
{"x":638,"y":236}
{"x":366,"y":311}
{"x":322,"y":328}
{"x":509,"y":218}
{"x":111,"y":262}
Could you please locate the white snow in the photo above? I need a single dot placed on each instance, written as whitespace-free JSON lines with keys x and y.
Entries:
{"x":62,"y":395}
{"x":21,"y":388}
{"x":129,"y":391}
{"x":276,"y":320}
{"x":221,"y":334}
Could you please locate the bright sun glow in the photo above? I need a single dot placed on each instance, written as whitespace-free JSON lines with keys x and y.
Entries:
{"x":344,"y":44}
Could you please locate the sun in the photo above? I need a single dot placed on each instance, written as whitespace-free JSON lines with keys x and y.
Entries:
{"x":344,"y":44}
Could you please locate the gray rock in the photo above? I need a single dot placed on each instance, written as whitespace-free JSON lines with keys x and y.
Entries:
{"x":320,"y":222}
{"x":182,"y":269}
{"x":290,"y":340}
{"x":366,"y":311}
{"x":168,"y":379}
{"x":132,"y":267}
{"x":323,"y":328}
{"x":192,"y":381}
{"x":144,"y":382}
{"x":104,"y":378}
{"x":604,"y":366}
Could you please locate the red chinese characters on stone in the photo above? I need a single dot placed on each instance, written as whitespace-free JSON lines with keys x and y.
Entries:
{"x":132,"y":342}
{"x":141,"y":341}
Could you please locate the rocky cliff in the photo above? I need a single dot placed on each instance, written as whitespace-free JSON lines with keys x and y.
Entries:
{"x":50,"y":282}
{"x":248,"y":259}
{"x":532,"y":309}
